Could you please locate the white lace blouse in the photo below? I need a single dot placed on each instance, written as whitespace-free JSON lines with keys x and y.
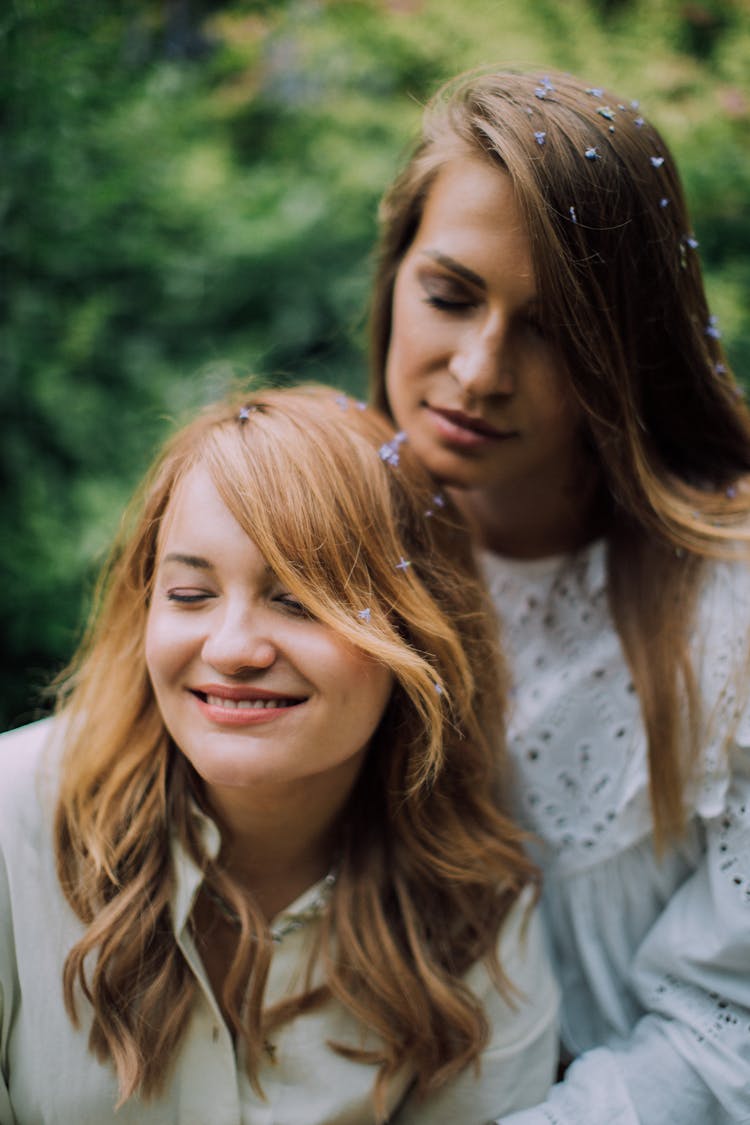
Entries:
{"x":653,"y":956}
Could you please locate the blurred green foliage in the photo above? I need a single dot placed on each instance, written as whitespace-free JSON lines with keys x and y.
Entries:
{"x":189,"y":193}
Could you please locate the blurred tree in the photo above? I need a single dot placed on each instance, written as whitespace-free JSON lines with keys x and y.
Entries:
{"x":190,"y":193}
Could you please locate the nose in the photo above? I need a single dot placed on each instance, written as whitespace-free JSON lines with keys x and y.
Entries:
{"x":240,"y":641}
{"x":482,"y":363}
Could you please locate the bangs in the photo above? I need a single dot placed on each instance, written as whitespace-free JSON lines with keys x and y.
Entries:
{"x":320,"y":509}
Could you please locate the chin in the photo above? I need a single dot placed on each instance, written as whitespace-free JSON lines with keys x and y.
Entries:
{"x":458,"y":478}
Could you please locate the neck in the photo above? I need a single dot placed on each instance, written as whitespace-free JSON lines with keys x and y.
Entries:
{"x":272,"y":853}
{"x":529,"y":524}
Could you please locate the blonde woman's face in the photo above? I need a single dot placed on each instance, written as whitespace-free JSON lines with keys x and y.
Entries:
{"x":259,"y":696}
{"x":470,"y":374}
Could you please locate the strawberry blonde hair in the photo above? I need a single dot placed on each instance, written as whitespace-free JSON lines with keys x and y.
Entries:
{"x":621,"y":292}
{"x":429,"y":865}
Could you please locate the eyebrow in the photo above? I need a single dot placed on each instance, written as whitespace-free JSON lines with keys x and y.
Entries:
{"x":199,"y":563}
{"x":451,"y":264}
{"x":456,"y":267}
{"x":196,"y":561}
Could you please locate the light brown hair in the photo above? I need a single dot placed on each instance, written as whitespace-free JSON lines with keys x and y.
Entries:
{"x":428,"y":863}
{"x":619,"y":282}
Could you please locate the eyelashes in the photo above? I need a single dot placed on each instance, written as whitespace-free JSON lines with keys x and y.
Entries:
{"x":445,"y":304}
{"x":184,"y":597}
{"x":187,"y":597}
{"x":529,"y":325}
{"x":293,"y":606}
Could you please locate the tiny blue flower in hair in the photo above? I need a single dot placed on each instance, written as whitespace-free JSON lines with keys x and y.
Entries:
{"x":545,"y":88}
{"x":572,"y":213}
{"x":438,"y":500}
{"x":639,"y":122}
{"x":720,"y":369}
{"x":664,"y":202}
{"x":606,"y":111}
{"x":438,"y":687}
{"x":364,"y":615}
{"x":244,"y":414}
{"x":361,"y":405}
{"x":591,"y":153}
{"x":388,"y":452}
{"x":635,"y":104}
{"x":342,"y":401}
{"x":540,"y":137}
{"x":731,"y":492}
{"x":403,"y":564}
{"x":712,"y":328}
{"x":692,"y":242}
{"x":656,"y":161}
{"x":595,"y":92}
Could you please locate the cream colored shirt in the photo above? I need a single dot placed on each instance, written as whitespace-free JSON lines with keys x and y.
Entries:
{"x":48,"y":1076}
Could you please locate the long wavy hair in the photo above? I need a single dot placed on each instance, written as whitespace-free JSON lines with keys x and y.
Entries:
{"x":429,"y":865}
{"x":619,"y":280}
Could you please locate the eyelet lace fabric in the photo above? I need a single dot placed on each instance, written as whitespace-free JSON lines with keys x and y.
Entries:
{"x":652,"y":954}
{"x":575,"y":729}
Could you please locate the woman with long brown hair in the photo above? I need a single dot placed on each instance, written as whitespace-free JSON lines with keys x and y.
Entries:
{"x":542,"y":336}
{"x":257,"y":868}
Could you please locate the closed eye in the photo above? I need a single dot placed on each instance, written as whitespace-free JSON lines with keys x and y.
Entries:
{"x":292,"y":605}
{"x":445,"y":304}
{"x":188,"y":596}
{"x":444,"y":292}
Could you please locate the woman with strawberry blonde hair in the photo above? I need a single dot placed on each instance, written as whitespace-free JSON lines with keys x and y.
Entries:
{"x":257,"y":868}
{"x":542,"y":336}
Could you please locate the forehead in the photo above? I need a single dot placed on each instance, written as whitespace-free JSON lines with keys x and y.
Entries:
{"x":196,"y":510}
{"x":472,"y":206}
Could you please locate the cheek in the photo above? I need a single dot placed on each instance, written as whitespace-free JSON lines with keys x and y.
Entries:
{"x":370,"y":698}
{"x":406,"y":333}
{"x":568,"y":413}
{"x":401,"y":374}
{"x":364,"y":689}
{"x":151,"y":644}
{"x":555,"y":402}
{"x":165,"y":647}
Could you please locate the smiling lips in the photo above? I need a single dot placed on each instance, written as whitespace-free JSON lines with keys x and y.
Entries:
{"x":242,"y":706}
{"x":466,"y":429}
{"x":248,"y":704}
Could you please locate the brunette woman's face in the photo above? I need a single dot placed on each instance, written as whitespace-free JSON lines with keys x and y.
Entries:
{"x":470,"y":374}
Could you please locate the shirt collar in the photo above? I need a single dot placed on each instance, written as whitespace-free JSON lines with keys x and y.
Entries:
{"x":188,"y":876}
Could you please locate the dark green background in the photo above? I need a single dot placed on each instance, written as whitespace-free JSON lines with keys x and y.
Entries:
{"x":189,"y":194}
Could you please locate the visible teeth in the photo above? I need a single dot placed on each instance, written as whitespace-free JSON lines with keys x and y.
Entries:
{"x":247,"y":704}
